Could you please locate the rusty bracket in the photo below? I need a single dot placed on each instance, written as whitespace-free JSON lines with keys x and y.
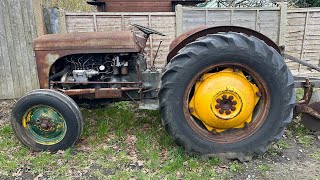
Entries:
{"x":308,"y":89}
{"x":303,"y":108}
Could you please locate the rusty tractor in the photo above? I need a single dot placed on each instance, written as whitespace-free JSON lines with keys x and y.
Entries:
{"x":224,"y":90}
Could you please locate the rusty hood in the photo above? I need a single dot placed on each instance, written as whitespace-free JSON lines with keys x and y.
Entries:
{"x":109,"y":42}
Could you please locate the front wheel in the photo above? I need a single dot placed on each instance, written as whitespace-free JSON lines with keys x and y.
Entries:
{"x":47,"y":120}
{"x":227,"y":93}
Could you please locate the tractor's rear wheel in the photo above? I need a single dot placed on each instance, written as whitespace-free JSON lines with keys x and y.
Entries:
{"x":227,"y":93}
{"x":47,"y":120}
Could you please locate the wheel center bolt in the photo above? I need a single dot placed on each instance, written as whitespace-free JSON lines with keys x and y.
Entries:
{"x":226,"y":104}
{"x":44,"y":126}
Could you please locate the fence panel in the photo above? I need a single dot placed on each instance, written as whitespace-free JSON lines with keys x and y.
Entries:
{"x":264,"y":20}
{"x":303,"y":37}
{"x":18,"y":73}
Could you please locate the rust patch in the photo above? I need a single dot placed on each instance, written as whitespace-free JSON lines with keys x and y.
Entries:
{"x":99,"y":93}
{"x":110,"y":42}
{"x":108,"y":93}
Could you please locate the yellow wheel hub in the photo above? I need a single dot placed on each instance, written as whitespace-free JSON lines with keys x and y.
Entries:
{"x":224,"y":100}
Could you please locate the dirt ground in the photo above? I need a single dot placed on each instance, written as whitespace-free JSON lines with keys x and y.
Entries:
{"x":5,"y":110}
{"x":296,"y":156}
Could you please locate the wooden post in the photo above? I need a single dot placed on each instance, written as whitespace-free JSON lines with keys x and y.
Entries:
{"x":231,"y":17}
{"x":179,"y":19}
{"x":282,"y":24}
{"x":258,"y":21}
{"x":122,"y":23}
{"x":95,"y":23}
{"x":151,"y":41}
{"x":38,"y":17}
{"x":62,"y":21}
{"x":206,"y":21}
{"x":304,"y":38}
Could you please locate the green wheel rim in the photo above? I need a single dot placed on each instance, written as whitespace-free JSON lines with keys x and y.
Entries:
{"x":44,"y":125}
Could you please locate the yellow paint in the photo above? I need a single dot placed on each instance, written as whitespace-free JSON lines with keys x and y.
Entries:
{"x":214,"y":86}
{"x":26,"y":119}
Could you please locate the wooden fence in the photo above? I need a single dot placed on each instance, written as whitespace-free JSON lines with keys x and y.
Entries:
{"x":266,"y":21}
{"x":302,"y":38}
{"x":18,"y":73}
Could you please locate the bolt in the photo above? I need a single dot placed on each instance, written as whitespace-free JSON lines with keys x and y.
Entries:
{"x":44,"y":126}
{"x":228,"y":112}
{"x":219,"y":100}
{"x":259,"y":94}
{"x":230,"y":98}
{"x":221,"y":111}
{"x":234,"y":102}
{"x":233,"y":108}
{"x":224,"y":97}
{"x":217,"y":106}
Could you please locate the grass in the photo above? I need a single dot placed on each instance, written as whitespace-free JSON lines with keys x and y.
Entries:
{"x":316,"y":155}
{"x":123,"y":142}
{"x":118,"y":142}
{"x":264,"y":167}
{"x":235,"y":167}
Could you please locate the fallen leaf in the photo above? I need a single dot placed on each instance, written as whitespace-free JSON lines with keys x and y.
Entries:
{"x":179,"y":175}
{"x":37,"y":177}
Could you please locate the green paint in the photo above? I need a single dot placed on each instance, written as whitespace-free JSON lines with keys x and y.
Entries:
{"x":45,"y":125}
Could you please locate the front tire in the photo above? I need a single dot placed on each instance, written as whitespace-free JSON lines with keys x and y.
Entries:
{"x":47,"y":120}
{"x":214,"y":53}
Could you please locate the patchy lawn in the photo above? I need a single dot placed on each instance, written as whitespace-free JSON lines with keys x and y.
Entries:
{"x":121,"y":142}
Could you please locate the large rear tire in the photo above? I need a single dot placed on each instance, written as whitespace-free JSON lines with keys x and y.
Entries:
{"x":261,"y":64}
{"x":47,"y":120}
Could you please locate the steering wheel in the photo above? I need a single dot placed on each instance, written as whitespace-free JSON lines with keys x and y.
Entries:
{"x":147,"y":31}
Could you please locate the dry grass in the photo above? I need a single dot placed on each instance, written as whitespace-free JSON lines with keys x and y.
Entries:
{"x":70,"y":5}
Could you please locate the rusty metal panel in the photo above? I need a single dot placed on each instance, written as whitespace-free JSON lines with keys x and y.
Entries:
{"x":123,"y":41}
{"x":108,"y":93}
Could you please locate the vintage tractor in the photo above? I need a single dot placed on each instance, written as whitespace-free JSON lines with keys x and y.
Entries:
{"x":224,"y":90}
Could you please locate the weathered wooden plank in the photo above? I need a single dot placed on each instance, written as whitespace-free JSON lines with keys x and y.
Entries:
{"x":22,"y":26}
{"x":179,"y":20}
{"x":10,"y":48}
{"x":18,"y":45}
{"x":282,"y":24}
{"x":295,"y":10}
{"x":121,"y":13}
{"x":303,"y":39}
{"x":39,"y":19}
{"x":80,"y":24}
{"x":245,"y":18}
{"x":33,"y":35}
{"x":3,"y":79}
{"x":110,"y":23}
{"x":230,"y":9}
